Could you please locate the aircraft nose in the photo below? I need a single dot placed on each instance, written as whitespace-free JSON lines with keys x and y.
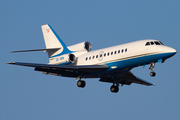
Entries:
{"x":172,"y":50}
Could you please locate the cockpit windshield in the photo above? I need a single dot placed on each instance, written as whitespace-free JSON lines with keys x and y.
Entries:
{"x":157,"y":43}
{"x":154,"y":43}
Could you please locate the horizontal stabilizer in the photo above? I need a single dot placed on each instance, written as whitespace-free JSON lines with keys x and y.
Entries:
{"x":50,"y":49}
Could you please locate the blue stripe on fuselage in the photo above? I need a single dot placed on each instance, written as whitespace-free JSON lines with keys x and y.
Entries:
{"x":65,"y":49}
{"x":126,"y":65}
{"x":138,"y":61}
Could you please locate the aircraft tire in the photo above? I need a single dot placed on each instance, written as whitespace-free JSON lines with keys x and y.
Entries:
{"x":152,"y":74}
{"x":81,"y":83}
{"x":114,"y":89}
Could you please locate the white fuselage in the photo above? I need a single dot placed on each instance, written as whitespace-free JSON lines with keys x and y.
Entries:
{"x":124,"y":57}
{"x":122,"y":52}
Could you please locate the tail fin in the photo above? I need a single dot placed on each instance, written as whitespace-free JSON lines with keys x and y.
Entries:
{"x":52,"y":40}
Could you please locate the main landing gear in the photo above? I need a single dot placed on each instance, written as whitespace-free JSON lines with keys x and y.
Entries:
{"x":81,"y":83}
{"x":115,"y":87}
{"x":152,"y":74}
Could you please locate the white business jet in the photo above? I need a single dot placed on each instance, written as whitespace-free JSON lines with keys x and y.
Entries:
{"x":112,"y":64}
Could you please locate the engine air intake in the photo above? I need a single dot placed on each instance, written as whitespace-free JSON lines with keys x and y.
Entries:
{"x":72,"y":58}
{"x":87,"y":46}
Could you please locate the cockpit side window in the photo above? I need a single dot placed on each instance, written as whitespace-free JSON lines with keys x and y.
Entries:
{"x":147,"y":43}
{"x":157,"y":43}
{"x":161,"y":43}
{"x":152,"y":43}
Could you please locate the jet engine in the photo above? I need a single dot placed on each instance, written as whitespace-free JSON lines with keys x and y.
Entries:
{"x":72,"y":58}
{"x":83,"y":46}
{"x":64,"y":59}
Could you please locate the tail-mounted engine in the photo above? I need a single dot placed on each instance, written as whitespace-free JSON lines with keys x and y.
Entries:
{"x":72,"y":58}
{"x":77,"y":50}
{"x":63,"y":59}
{"x":84,"y":46}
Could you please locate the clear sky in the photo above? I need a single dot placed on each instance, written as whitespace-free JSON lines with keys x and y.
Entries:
{"x":29,"y":95}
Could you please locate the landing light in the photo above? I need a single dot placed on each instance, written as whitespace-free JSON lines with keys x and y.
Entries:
{"x":113,"y":67}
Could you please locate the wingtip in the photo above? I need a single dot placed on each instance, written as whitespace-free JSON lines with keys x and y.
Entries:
{"x":11,"y":63}
{"x":152,"y":84}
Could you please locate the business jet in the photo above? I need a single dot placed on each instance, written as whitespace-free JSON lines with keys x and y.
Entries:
{"x":112,"y":64}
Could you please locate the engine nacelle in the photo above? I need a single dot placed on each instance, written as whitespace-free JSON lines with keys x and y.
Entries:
{"x":83,"y":46}
{"x":72,"y":58}
{"x":63,"y":59}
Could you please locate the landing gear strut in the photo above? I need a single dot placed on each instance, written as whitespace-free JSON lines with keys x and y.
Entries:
{"x":152,"y":74}
{"x":115,"y":88}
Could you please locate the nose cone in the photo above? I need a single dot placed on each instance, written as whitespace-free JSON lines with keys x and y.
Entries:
{"x":167,"y":51}
{"x":172,"y":50}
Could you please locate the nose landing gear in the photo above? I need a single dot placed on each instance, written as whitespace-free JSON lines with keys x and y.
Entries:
{"x":152,"y":74}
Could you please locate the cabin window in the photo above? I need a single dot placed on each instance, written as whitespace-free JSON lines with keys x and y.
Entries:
{"x":90,"y":58}
{"x":86,"y":58}
{"x":152,"y":43}
{"x":157,"y":43}
{"x":118,"y":51}
{"x":100,"y":55}
{"x":115,"y":52}
{"x":104,"y":54}
{"x":96,"y":56}
{"x":108,"y":54}
{"x":111,"y":53}
{"x":93,"y":57}
{"x":122,"y":50}
{"x":147,"y":43}
{"x":126,"y":50}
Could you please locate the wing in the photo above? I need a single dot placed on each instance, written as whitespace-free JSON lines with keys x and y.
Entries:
{"x":127,"y":78}
{"x":63,"y":68}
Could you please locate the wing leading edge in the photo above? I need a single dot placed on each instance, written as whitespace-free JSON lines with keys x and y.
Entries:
{"x":83,"y":68}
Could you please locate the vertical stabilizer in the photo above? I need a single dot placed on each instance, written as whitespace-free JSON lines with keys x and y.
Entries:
{"x":52,"y":40}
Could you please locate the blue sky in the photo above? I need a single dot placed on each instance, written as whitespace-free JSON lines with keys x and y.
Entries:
{"x":26,"y":94}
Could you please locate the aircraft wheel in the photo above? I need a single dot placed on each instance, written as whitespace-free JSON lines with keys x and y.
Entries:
{"x":114,"y":89}
{"x":81,"y":83}
{"x":153,"y":74}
